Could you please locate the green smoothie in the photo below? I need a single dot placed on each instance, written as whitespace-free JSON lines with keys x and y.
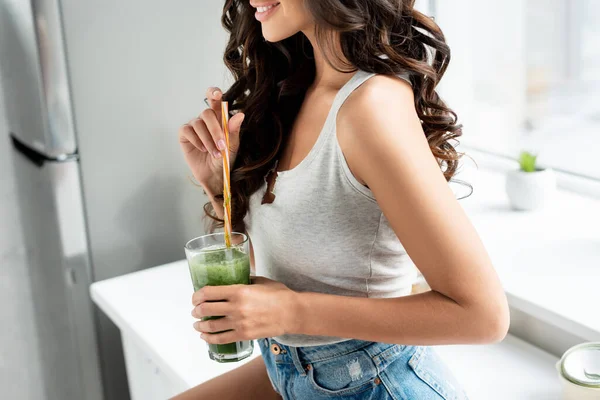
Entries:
{"x":220,"y":266}
{"x":217,"y":266}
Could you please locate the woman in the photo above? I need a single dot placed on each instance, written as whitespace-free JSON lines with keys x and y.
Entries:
{"x":342,"y":155}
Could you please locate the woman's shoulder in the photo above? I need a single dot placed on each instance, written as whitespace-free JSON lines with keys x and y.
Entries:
{"x":378,"y":113}
{"x":380,"y":99}
{"x":380,"y":83}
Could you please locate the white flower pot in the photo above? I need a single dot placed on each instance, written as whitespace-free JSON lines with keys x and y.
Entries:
{"x":530,"y":190}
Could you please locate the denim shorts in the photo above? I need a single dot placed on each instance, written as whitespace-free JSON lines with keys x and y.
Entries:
{"x":357,"y":369}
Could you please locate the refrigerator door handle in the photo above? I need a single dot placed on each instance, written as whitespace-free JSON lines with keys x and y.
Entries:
{"x":36,"y":158}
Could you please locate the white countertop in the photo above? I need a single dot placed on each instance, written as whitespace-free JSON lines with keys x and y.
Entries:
{"x":153,"y":307}
{"x":548,"y":260}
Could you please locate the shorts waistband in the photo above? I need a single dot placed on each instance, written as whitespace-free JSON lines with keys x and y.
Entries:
{"x":312,"y":354}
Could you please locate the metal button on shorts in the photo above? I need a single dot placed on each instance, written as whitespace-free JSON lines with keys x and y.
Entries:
{"x":275,"y":349}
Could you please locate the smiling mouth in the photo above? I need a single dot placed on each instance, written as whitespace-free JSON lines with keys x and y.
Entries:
{"x":266,"y":8}
{"x":263,"y":12}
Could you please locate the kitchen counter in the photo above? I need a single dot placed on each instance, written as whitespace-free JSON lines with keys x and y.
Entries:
{"x":165,"y":355}
{"x":548,"y":260}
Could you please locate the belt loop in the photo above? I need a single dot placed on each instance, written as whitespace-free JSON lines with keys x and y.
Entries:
{"x":296,"y":359}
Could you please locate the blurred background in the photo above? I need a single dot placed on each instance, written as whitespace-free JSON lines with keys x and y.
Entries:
{"x":532,"y":67}
{"x":92,"y":184}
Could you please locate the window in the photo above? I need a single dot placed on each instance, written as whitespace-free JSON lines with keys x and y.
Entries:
{"x":525,"y":75}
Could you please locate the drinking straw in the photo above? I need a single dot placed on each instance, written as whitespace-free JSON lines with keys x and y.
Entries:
{"x":226,"y":176}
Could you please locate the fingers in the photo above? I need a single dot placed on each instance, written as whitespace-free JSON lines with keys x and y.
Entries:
{"x":223,"y":338}
{"x":212,"y":118}
{"x":235,"y":124}
{"x":206,"y":133}
{"x":212,"y":309}
{"x":213,"y":325}
{"x":214,"y":97}
{"x":187,"y":134}
{"x":214,"y":127}
{"x":201,"y":130}
{"x":258,"y":280}
{"x":217,"y":293}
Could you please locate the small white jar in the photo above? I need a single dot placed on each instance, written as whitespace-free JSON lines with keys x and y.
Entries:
{"x":530,"y":190}
{"x":579,"y":371}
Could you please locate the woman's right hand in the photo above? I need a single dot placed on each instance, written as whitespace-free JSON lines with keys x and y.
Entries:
{"x":202,"y":141}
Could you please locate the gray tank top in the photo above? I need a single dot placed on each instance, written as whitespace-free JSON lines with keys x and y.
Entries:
{"x":325,"y":232}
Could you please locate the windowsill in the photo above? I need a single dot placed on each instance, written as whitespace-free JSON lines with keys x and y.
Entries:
{"x":547,"y":260}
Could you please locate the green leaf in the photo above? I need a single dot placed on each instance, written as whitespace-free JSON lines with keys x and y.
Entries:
{"x":527,"y":161}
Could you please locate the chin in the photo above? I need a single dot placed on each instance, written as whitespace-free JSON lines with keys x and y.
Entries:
{"x":276,"y":34}
{"x":281,"y":19}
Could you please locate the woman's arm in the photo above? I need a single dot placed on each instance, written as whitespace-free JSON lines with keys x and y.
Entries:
{"x":384,"y":145}
{"x":251,"y":382}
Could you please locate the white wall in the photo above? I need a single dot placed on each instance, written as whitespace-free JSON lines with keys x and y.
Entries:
{"x":139,"y":70}
{"x":20,"y":377}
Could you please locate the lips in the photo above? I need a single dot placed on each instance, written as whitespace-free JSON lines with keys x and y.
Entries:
{"x":264,"y":10}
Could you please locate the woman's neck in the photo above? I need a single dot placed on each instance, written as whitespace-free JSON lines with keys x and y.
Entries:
{"x":326,"y":76}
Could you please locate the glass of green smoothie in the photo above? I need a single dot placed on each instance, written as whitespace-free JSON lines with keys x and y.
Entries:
{"x":212,"y":263}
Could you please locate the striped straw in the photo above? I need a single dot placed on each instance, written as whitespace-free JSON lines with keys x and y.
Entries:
{"x":226,"y":176}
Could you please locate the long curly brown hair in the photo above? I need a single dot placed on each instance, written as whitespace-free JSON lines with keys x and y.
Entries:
{"x":386,"y":37}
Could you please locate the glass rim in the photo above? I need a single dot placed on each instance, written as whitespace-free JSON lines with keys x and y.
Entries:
{"x":590,"y":383}
{"x":243,"y":235}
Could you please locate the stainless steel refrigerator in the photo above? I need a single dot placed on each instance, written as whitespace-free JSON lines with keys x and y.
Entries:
{"x":94,"y":94}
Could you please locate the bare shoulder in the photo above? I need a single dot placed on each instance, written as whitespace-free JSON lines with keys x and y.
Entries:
{"x":382,"y":105}
{"x":377,"y":91}
{"x":379,"y":118}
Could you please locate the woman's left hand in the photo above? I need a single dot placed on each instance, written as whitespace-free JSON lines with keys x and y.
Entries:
{"x":263,"y":309}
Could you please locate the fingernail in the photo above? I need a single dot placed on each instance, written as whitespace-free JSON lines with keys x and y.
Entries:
{"x":216,"y":93}
{"x":221,"y":145}
{"x":196,"y":325}
{"x":216,"y":154}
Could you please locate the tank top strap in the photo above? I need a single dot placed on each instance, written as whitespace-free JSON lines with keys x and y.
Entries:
{"x":357,"y":79}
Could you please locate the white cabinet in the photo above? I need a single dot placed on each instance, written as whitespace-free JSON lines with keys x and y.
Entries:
{"x":146,"y":380}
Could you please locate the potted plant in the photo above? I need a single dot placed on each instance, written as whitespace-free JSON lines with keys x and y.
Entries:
{"x":530,"y":187}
